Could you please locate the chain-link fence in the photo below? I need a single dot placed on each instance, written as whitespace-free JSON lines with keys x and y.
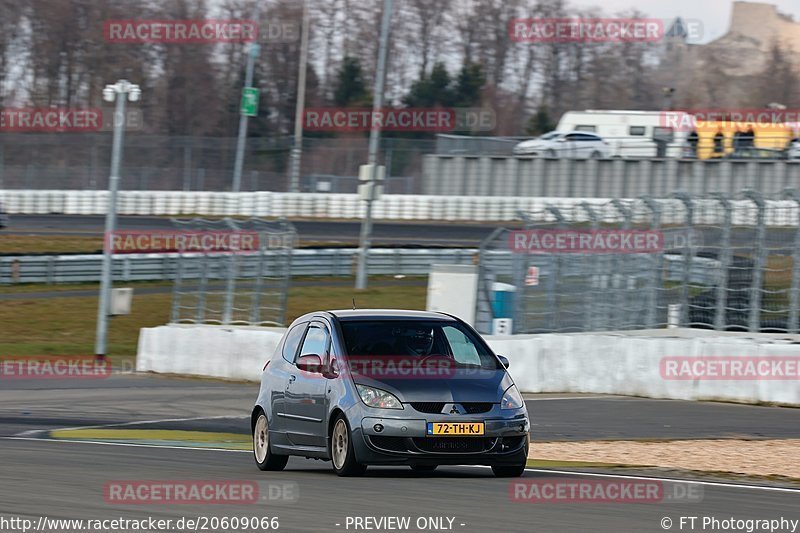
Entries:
{"x":245,"y":287}
{"x":444,"y":165}
{"x":715,"y":262}
{"x":152,"y":162}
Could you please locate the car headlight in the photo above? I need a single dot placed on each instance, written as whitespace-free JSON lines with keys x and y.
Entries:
{"x":512,"y":399}
{"x":378,"y":398}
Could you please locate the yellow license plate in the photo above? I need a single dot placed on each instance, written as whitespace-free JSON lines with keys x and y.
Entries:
{"x":474,"y":429}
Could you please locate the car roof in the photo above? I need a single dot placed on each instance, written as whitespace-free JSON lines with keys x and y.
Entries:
{"x":387,"y":314}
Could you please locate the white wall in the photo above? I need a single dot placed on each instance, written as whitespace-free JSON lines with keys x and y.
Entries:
{"x":629,"y":365}
{"x":591,"y":363}
{"x":238,"y":352}
{"x":349,"y":206}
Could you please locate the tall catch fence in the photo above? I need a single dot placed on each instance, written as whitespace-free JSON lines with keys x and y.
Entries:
{"x":249,"y":286}
{"x":714,"y":262}
{"x":58,"y":161}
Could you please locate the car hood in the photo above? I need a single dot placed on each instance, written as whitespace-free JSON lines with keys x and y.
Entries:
{"x":462,"y":386}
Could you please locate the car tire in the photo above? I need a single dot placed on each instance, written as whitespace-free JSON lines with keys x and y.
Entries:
{"x":596,"y":155}
{"x":265,"y":459}
{"x":508,"y":470}
{"x":550,"y":153}
{"x":343,"y":455}
{"x":424,"y":468}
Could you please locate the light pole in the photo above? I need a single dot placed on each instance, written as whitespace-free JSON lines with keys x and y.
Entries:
{"x":374,"y":138}
{"x":252,"y":53}
{"x":121,"y":91}
{"x":297,"y":149}
{"x":253,"y":50}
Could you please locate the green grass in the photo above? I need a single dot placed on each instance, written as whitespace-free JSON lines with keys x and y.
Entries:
{"x":544,"y":463}
{"x":66,"y":326}
{"x":51,"y":244}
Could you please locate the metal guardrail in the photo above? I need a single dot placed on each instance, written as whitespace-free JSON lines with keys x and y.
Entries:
{"x":52,"y":269}
{"x":154,"y":267}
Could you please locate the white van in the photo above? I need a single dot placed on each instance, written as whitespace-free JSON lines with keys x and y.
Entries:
{"x":630,"y":133}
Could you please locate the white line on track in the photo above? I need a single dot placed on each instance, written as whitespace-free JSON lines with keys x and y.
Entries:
{"x":537,"y":470}
{"x":559,"y":398}
{"x":126,"y":444}
{"x":136,"y":423}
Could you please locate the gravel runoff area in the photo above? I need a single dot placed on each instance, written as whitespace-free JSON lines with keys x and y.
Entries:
{"x":779,"y":457}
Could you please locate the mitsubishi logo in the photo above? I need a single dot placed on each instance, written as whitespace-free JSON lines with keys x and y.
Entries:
{"x":455,"y":409}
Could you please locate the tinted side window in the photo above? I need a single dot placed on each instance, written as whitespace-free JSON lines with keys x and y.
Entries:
{"x":316,"y":341}
{"x":293,"y":341}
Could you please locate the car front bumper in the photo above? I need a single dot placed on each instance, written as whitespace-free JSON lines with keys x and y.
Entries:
{"x":405,"y":441}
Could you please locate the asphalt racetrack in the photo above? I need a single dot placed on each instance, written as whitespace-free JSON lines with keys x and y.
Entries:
{"x":343,"y":233}
{"x":384,"y":233}
{"x":42,"y":476}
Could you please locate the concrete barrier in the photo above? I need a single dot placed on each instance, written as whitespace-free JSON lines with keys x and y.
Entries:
{"x":389,"y":207}
{"x":214,"y":351}
{"x":629,"y":364}
{"x":626,"y":363}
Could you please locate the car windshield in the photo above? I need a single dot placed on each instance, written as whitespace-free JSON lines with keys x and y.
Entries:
{"x":417,"y":338}
{"x":550,"y":136}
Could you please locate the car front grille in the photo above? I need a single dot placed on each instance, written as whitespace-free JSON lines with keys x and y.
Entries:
{"x":474,"y":408}
{"x":471,"y":408}
{"x":454,"y":444}
{"x":428,"y":407}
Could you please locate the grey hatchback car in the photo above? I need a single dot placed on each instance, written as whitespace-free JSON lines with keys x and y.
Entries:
{"x":388,"y":387}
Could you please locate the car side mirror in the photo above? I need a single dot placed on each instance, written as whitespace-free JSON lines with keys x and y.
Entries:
{"x":310,"y":363}
{"x":332,"y":371}
{"x":561,"y":140}
{"x":504,"y":361}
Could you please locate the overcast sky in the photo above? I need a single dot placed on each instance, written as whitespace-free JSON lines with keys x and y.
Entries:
{"x":714,"y":14}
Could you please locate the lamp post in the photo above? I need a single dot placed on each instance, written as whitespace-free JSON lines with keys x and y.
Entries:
{"x":253,"y":51}
{"x":297,"y":147}
{"x":372,"y":157}
{"x":121,"y":92}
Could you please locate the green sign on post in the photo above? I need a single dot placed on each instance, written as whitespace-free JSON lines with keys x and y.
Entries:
{"x":249,"y":105}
